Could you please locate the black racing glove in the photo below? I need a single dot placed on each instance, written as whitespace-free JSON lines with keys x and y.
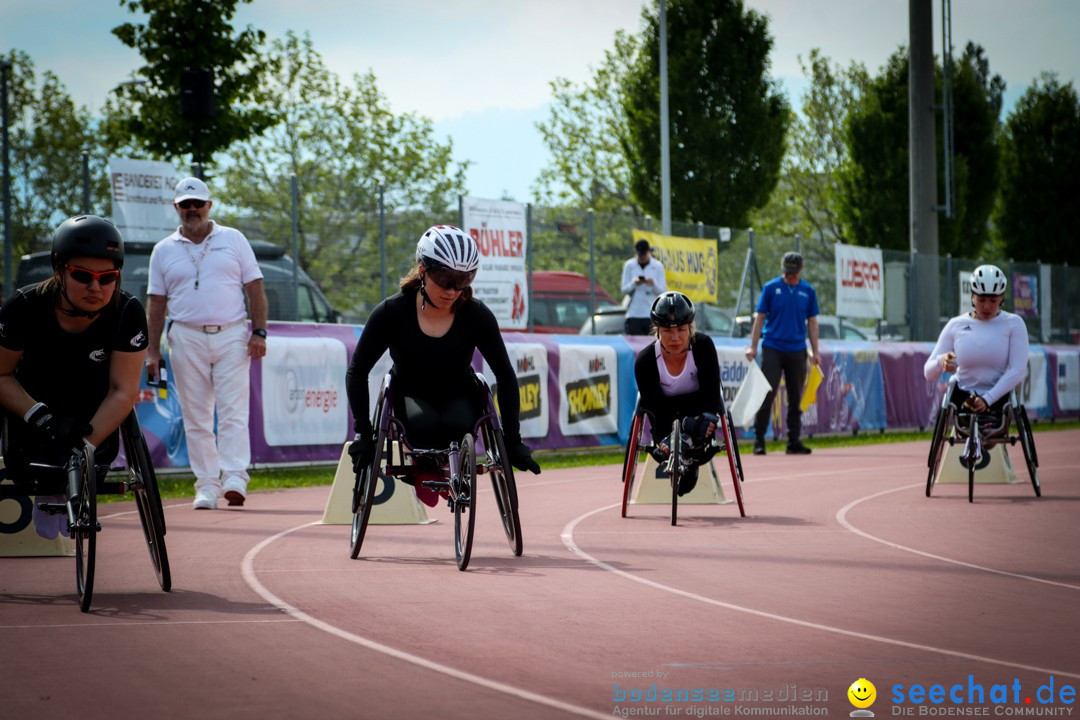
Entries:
{"x":362,"y":452}
{"x":696,"y":428}
{"x":58,"y":429}
{"x":521,"y":456}
{"x":42,"y":421}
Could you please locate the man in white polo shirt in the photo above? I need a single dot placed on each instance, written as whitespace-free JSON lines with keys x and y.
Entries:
{"x":201,"y":275}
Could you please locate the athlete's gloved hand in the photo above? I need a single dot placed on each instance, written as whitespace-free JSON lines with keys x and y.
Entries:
{"x":41,"y":420}
{"x":699,"y":428}
{"x":521,"y":456}
{"x":59,"y":429}
{"x":362,"y":452}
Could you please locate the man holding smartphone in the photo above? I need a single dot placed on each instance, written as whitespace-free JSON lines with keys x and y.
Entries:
{"x":643,"y":280}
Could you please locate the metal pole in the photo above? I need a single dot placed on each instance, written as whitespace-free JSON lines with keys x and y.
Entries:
{"x":752,"y":259}
{"x":85,"y":183}
{"x":665,"y":140}
{"x":382,"y":240}
{"x":9,"y":270}
{"x":295,"y":188}
{"x":700,"y":230}
{"x":949,"y":305}
{"x":592,"y":272}
{"x":798,"y":244}
{"x":529,"y":260}
{"x":1068,"y":310}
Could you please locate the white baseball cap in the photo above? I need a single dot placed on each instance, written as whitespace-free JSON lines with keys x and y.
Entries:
{"x":191,"y":188}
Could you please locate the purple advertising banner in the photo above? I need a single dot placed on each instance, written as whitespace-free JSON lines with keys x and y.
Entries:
{"x":1026,"y":295}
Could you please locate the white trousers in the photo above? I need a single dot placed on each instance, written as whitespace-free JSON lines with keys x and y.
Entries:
{"x":213,"y":371}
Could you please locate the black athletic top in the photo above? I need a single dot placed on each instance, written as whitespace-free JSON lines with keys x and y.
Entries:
{"x":664,"y":408}
{"x":430,"y":368}
{"x":69,"y":372}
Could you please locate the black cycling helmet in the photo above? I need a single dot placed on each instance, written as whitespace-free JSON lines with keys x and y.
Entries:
{"x":87,"y":236}
{"x":672,"y":309}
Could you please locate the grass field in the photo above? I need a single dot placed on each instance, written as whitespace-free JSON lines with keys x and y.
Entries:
{"x":181,"y":485}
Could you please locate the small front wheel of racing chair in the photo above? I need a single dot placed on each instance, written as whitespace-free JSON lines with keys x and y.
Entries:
{"x":463,"y":497}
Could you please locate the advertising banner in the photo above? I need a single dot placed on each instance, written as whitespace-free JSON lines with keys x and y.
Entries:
{"x":142,"y":198}
{"x":963,"y":300}
{"x":1025,"y":295}
{"x":1068,"y":380}
{"x":689,"y":263}
{"x":303,"y":392}
{"x":589,"y":389}
{"x":531,"y":366}
{"x":500,"y":232}
{"x":1035,"y":388}
{"x":860,"y":285}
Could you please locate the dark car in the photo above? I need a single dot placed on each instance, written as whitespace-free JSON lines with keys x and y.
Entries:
{"x":710,"y":320}
{"x":308,"y":305}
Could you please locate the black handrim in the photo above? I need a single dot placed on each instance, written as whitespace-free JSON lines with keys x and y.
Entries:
{"x":630,"y":462}
{"x":465,"y":503}
{"x":85,"y":534}
{"x":734,"y":446}
{"x":676,"y":471}
{"x":732,"y":449}
{"x":1027,"y":444}
{"x":366,"y":487}
{"x":937,"y":444}
{"x":505,"y":486}
{"x":973,"y":430}
{"x":148,"y":502}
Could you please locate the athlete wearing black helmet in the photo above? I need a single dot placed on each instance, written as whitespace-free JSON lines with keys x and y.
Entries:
{"x":71,"y":352}
{"x":678,"y":377}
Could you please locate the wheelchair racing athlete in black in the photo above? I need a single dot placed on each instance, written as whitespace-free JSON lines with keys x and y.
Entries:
{"x":431,"y":328}
{"x":71,"y":354}
{"x":678,"y":377}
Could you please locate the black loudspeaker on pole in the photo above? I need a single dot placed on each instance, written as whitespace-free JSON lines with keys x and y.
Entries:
{"x":197,"y":104}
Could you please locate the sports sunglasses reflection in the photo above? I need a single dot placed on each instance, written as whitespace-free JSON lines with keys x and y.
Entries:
{"x":449,"y":279}
{"x":85,"y":277}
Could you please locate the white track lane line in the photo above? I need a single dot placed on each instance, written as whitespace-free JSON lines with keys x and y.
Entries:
{"x":248,"y":570}
{"x":841,"y":517}
{"x":568,"y":541}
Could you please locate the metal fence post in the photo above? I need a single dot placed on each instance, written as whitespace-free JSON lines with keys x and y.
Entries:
{"x":529,"y":260}
{"x":949,"y":304}
{"x":700,"y":230}
{"x":1068,"y":310}
{"x":9,"y":269}
{"x":798,"y":243}
{"x":294,"y":184}
{"x":85,"y":183}
{"x":913,"y":287}
{"x":382,"y":239}
{"x":592,"y":271}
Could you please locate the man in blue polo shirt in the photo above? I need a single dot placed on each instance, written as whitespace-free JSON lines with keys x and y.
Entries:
{"x":787,"y":311}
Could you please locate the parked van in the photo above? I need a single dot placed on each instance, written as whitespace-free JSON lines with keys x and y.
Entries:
{"x":562,"y":301}
{"x":308,"y":305}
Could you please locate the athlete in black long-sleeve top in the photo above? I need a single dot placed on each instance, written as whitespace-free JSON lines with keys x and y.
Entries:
{"x":431,"y":329}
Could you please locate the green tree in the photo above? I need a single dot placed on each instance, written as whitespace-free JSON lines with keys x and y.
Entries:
{"x":728,"y":118}
{"x":182,"y":35}
{"x":806,"y":200}
{"x":585,"y":133}
{"x":874,"y":201}
{"x":1037,"y":216}
{"x":340,"y":141}
{"x":48,"y":136}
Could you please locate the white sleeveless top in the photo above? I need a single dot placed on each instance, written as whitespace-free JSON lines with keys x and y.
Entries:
{"x":684,"y":382}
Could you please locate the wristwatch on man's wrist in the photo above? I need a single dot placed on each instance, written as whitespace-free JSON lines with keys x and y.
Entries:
{"x":261,"y":332}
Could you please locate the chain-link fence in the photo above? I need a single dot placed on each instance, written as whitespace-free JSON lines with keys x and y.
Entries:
{"x":367,"y":256}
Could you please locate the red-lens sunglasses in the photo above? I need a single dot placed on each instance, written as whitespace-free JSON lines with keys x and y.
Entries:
{"x":85,"y":277}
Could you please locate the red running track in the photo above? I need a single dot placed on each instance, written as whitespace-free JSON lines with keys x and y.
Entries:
{"x":843,"y":570}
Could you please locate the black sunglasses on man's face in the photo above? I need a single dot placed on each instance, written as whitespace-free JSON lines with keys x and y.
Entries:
{"x":188,"y":204}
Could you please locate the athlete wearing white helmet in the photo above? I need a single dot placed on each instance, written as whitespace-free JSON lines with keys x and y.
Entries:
{"x":987,"y":347}
{"x":432,"y":328}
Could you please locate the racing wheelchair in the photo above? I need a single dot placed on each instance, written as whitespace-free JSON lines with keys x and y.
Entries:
{"x":80,"y":480}
{"x":456,"y":468}
{"x":979,"y":433}
{"x":681,"y":457}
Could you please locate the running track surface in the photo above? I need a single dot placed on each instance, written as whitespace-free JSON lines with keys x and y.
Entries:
{"x":842,"y":570}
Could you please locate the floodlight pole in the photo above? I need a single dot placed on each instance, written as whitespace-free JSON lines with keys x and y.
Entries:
{"x":9,"y":270}
{"x":665,"y":140}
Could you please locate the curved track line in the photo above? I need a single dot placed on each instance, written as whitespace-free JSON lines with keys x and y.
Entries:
{"x":248,"y":571}
{"x":568,"y":541}
{"x":841,"y":517}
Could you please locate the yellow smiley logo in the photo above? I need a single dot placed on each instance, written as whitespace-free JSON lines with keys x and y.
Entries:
{"x":862,"y":693}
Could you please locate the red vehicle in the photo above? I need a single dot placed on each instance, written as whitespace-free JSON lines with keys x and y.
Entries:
{"x":562,"y":301}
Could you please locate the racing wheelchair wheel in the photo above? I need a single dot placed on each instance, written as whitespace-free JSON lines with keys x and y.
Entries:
{"x":630,"y":460}
{"x":675,"y":468}
{"x":937,"y":445}
{"x":464,"y":500}
{"x":1027,"y":444}
{"x":147,"y":498}
{"x":83,"y":479}
{"x":504,"y":485}
{"x":734,"y":461}
{"x":364,"y":486}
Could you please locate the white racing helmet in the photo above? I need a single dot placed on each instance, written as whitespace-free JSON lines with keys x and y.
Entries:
{"x":988,"y":280}
{"x":449,"y":247}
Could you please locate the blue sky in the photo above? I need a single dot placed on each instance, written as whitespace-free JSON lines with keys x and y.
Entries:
{"x":480,"y":68}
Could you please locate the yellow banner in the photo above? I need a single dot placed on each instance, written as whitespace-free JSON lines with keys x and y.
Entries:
{"x":689,"y":263}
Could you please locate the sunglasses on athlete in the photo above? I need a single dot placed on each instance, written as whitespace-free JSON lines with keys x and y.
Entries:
{"x":85,"y":277}
{"x":449,"y":279}
{"x":188,"y":204}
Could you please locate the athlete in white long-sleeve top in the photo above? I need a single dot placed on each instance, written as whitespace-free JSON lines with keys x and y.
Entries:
{"x":987,"y":348}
